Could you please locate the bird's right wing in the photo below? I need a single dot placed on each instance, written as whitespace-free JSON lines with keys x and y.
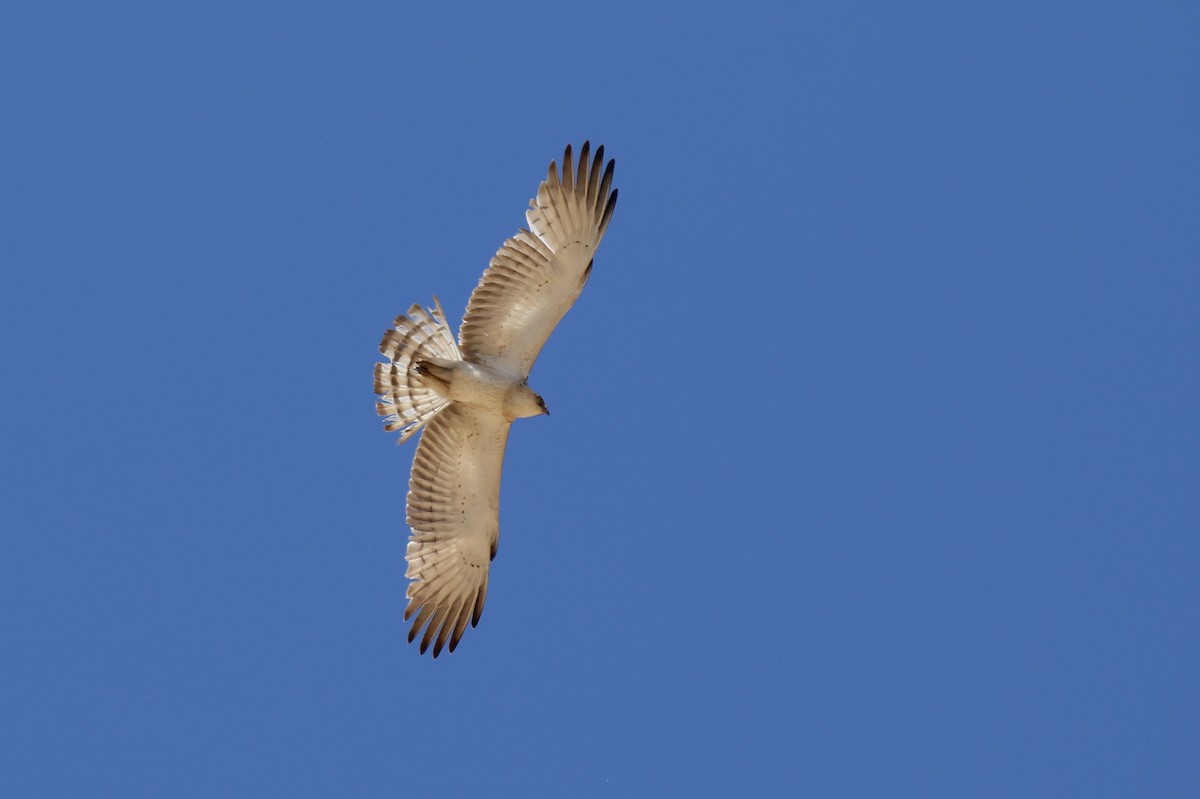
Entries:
{"x":537,"y":275}
{"x":453,"y":510}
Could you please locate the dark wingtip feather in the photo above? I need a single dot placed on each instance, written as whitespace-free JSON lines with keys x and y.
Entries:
{"x":568,"y":171}
{"x":605,"y":184}
{"x":477,"y":611}
{"x":608,"y":210}
{"x":582,"y":173}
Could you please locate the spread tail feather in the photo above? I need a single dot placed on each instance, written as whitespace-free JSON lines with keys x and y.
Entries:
{"x":407,"y":399}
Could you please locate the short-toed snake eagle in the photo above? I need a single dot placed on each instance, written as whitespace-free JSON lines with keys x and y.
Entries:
{"x":467,"y":393}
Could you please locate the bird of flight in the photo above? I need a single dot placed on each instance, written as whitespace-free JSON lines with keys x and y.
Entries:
{"x":467,"y":393}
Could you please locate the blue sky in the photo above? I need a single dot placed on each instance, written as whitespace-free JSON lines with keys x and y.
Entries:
{"x":873,"y":462}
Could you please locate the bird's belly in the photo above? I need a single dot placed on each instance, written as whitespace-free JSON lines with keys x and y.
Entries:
{"x":477,"y":385}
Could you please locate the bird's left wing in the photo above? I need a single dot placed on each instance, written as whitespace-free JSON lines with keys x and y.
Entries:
{"x":453,"y":510}
{"x":538,"y":273}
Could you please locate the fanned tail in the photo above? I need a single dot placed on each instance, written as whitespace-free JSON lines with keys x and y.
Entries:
{"x":406,"y":401}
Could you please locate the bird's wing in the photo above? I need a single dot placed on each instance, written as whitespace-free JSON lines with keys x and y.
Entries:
{"x":453,"y":507}
{"x":538,"y":273}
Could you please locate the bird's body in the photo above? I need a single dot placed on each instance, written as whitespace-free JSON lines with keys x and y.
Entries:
{"x":481,"y":386}
{"x":465,"y":394}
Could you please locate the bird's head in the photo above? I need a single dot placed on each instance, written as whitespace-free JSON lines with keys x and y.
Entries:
{"x":523,"y":401}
